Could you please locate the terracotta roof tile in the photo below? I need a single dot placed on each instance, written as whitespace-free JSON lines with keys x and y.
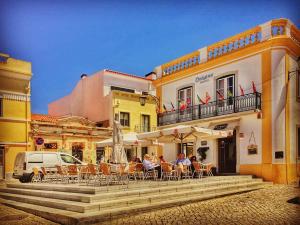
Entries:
{"x":44,"y":118}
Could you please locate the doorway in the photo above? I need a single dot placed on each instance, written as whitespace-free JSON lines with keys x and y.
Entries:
{"x":77,"y":150}
{"x":227,"y":154}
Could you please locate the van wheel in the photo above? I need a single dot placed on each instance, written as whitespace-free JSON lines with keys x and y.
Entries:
{"x":22,"y":180}
{"x":33,"y":179}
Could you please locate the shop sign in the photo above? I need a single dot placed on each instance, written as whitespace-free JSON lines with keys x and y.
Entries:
{"x":221,"y":126}
{"x":203,"y":78}
{"x":39,"y":141}
{"x":50,"y":145}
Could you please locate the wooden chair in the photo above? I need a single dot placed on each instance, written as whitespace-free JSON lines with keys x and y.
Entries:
{"x":61,"y":174}
{"x":167,"y":171}
{"x":73,"y":173}
{"x":198,"y":170}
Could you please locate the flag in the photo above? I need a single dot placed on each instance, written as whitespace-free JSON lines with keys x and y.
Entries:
{"x":220,"y":96}
{"x":173,"y":108}
{"x":242,"y":91}
{"x":165,"y":108}
{"x":207,"y":98}
{"x":253,"y":87}
{"x":200,"y":100}
{"x":229,"y":93}
{"x":182,"y":105}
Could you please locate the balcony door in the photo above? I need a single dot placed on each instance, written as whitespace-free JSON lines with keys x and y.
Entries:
{"x":185,"y":103}
{"x":225,"y":93}
{"x":145,"y":125}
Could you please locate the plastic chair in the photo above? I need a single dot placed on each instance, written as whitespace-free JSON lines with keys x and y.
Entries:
{"x":36,"y":175}
{"x":167,"y":171}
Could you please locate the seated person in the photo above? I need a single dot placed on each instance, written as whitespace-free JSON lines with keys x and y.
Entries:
{"x":182,"y":163}
{"x":161,"y":159}
{"x":193,"y":159}
{"x":150,"y":165}
{"x":138,"y":160}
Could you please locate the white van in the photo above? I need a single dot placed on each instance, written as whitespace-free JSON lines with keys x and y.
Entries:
{"x":26,"y":161}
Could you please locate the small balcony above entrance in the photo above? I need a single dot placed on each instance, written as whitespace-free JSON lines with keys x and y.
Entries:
{"x":230,"y":105}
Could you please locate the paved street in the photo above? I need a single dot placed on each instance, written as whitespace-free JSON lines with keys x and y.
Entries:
{"x":267,"y":206}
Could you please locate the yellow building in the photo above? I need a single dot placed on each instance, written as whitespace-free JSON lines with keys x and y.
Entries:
{"x":248,"y":83}
{"x":109,"y":94}
{"x":71,"y":134}
{"x":15,"y":112}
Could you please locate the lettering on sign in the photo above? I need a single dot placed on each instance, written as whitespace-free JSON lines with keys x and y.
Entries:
{"x":221,"y":126}
{"x":203,"y":78}
{"x":50,"y":145}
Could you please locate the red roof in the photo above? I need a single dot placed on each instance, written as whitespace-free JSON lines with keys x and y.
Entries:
{"x":44,"y":118}
{"x":124,"y":74}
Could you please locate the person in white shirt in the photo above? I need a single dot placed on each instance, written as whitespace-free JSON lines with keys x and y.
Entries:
{"x":150,"y":165}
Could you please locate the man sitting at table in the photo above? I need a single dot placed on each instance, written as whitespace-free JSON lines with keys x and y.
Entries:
{"x":150,"y":165}
{"x":182,"y":163}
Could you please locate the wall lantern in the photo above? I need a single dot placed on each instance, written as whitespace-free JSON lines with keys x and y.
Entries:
{"x":143,"y":99}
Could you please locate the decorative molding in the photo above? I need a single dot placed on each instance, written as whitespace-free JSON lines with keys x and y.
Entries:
{"x":15,"y":97}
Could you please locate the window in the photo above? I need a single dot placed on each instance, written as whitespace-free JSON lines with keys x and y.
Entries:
{"x":145,"y":123}
{"x":100,"y":154}
{"x":69,"y":159}
{"x":124,"y":119}
{"x":225,"y":89}
{"x":121,"y":89}
{"x":185,"y":101}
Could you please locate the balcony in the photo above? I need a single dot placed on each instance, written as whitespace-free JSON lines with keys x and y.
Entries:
{"x":141,"y":129}
{"x":215,"y":108}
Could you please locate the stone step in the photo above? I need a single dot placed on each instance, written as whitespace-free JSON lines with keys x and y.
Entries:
{"x":91,"y":189}
{"x":143,"y":191}
{"x":164,"y":189}
{"x":77,"y":197}
{"x":68,"y":217}
{"x":114,"y":202}
{"x":52,"y":203}
{"x":148,"y":199}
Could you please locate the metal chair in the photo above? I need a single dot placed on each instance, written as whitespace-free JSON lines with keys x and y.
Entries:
{"x":36,"y":175}
{"x":198,"y":169}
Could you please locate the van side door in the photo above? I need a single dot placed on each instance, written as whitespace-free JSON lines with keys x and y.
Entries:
{"x":50,"y":160}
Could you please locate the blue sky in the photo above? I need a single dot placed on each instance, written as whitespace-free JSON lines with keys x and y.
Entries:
{"x":64,"y":39}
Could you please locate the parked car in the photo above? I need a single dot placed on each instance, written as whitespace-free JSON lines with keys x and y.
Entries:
{"x":26,"y":161}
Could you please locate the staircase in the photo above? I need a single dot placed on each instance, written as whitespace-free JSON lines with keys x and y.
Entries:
{"x":80,"y":204}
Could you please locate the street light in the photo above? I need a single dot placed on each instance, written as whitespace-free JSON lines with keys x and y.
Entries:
{"x":144,"y":96}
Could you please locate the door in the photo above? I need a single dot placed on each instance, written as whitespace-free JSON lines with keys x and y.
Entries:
{"x":185,"y":103}
{"x":227,"y":154}
{"x":1,"y":162}
{"x":225,"y":93}
{"x":145,"y":123}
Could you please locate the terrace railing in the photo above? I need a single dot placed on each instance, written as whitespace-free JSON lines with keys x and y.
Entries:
{"x":215,"y":108}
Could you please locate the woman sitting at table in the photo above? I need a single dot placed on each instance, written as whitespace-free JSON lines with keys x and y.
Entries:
{"x":193,"y":159}
{"x":150,"y":165}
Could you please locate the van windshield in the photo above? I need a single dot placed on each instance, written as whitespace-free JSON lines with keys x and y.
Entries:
{"x":69,"y":159}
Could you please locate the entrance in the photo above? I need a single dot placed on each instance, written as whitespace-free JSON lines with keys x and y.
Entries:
{"x":1,"y":162}
{"x":77,"y":150}
{"x":227,"y":154}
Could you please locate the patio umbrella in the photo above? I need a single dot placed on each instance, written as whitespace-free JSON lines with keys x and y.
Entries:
{"x":129,"y":139}
{"x":181,"y":133}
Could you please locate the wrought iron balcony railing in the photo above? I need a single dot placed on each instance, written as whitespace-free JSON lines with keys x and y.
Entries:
{"x":215,"y":108}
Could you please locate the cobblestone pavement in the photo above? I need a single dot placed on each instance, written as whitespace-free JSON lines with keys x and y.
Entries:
{"x":266,"y":206}
{"x":261,"y":207}
{"x":11,"y":216}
